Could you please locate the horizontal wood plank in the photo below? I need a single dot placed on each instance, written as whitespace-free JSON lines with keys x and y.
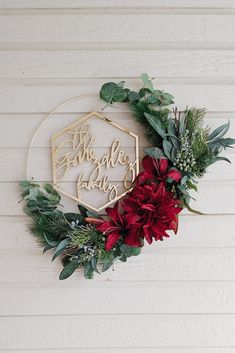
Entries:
{"x":151,"y":28}
{"x":136,"y":331}
{"x":155,"y":264}
{"x":78,"y":298}
{"x":45,"y":4}
{"x":107,"y":63}
{"x":131,"y":350}
{"x":44,"y":97}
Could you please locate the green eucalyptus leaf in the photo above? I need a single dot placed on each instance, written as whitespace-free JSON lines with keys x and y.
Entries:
{"x":119,"y":94}
{"x":107,"y":92}
{"x":182,"y":124}
{"x":94,"y":264}
{"x":107,"y":264}
{"x":145,"y":78}
{"x":25,"y":184}
{"x":155,"y":123}
{"x":219,"y":132}
{"x":61,"y":247}
{"x":129,"y":251}
{"x":47,"y":247}
{"x":183,"y":180}
{"x":154,"y":152}
{"x":88,"y":270}
{"x":217,"y":159}
{"x":173,"y":153}
{"x":52,"y":243}
{"x":121,"y":84}
{"x":225,"y":142}
{"x":167,"y":148}
{"x":133,"y":96}
{"x":123,"y":258}
{"x":69,"y":269}
{"x":50,"y":189}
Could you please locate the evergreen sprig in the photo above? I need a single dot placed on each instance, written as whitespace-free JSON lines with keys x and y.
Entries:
{"x":70,"y":234}
{"x":181,"y":137}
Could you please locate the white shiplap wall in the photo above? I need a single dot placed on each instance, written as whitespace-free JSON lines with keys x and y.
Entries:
{"x":179,"y":296}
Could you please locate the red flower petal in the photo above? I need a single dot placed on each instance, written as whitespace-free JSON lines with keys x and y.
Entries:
{"x":174,"y":174}
{"x":163,"y":166}
{"x":113,"y":213}
{"x":132,"y":238}
{"x":104,"y":227}
{"x":148,"y":234}
{"x":112,"y":239}
{"x":148,"y":165}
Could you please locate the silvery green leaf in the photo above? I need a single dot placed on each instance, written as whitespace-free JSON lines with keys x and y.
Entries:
{"x":144,"y":77}
{"x":167,"y":148}
{"x":60,"y":248}
{"x":219,"y":132}
{"x":182,"y":124}
{"x":154,"y":152}
{"x":216,"y":159}
{"x":155,"y":123}
{"x":69,"y":269}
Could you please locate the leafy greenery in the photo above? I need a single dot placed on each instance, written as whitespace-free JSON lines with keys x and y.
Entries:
{"x":69,"y":234}
{"x":180,"y":137}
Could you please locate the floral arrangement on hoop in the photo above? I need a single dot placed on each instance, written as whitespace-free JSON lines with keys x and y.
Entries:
{"x":183,"y":149}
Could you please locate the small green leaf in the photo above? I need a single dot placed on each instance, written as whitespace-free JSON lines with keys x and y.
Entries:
{"x":25,"y":183}
{"x":183,"y":180}
{"x":107,"y":92}
{"x":49,"y":188}
{"x":182,"y":124}
{"x":133,"y":96}
{"x":94,"y":264}
{"x":144,"y":78}
{"x":69,"y":269}
{"x":220,"y":131}
{"x":167,"y":148}
{"x":217,"y":159}
{"x":121,"y":84}
{"x":225,"y":142}
{"x":83,"y":210}
{"x":129,"y":251}
{"x":191,"y":185}
{"x":154,"y":152}
{"x":155,"y":123}
{"x":88,"y":270}
{"x":51,"y":243}
{"x":47,"y":247}
{"x":107,"y":264}
{"x":61,"y":247}
{"x":119,"y":94}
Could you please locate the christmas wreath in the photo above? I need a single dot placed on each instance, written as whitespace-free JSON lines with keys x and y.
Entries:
{"x":182,"y":150}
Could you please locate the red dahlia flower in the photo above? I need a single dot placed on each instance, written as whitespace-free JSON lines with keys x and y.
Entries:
{"x":156,"y":209}
{"x":157,"y":169}
{"x":119,"y":226}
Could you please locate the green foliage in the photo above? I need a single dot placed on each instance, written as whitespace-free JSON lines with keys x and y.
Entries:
{"x":78,"y":243}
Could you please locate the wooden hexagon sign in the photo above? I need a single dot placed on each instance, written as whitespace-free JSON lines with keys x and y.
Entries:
{"x":95,"y":161}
